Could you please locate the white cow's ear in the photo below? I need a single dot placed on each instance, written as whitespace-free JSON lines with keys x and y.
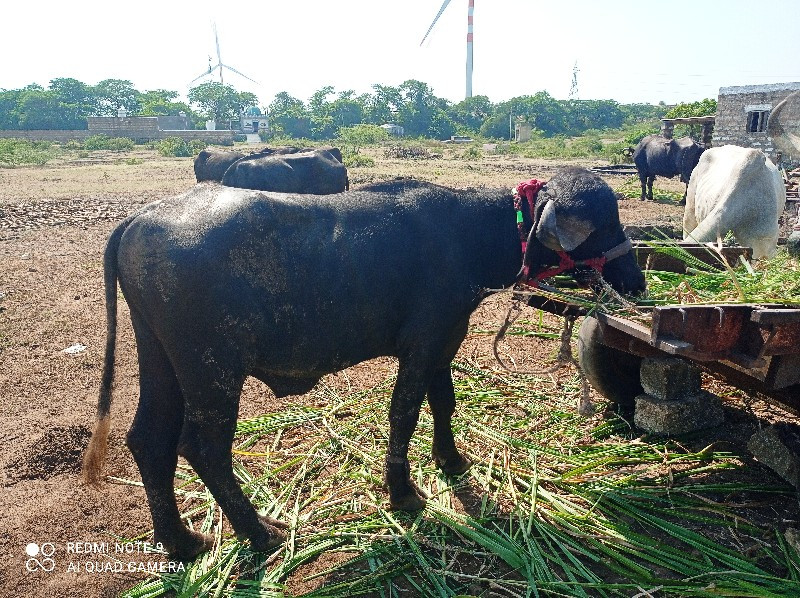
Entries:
{"x":563,"y":233}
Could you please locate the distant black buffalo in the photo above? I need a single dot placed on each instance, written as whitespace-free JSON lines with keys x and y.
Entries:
{"x":658,"y":156}
{"x":286,"y":169}
{"x":227,"y":283}
{"x":318,"y":172}
{"x":211,"y":164}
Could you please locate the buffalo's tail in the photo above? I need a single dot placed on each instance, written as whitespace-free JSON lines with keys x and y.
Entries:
{"x":95,"y":455}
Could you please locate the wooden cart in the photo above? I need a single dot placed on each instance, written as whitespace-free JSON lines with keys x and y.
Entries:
{"x":755,"y":347}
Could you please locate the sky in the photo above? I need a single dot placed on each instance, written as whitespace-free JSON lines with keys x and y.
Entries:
{"x":625,"y":50}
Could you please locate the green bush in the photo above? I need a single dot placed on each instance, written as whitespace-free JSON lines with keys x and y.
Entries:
{"x":73,"y":144}
{"x":19,"y":152}
{"x":95,"y":142}
{"x":473,"y":152}
{"x":120,"y":144}
{"x":635,"y":134}
{"x":196,"y":146}
{"x":352,"y":160}
{"x":174,"y":146}
{"x":104,"y":142}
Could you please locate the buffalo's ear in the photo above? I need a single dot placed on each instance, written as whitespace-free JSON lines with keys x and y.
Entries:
{"x":564,"y":233}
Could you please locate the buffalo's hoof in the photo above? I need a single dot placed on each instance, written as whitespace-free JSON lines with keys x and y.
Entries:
{"x":408,"y":502}
{"x":189,"y":545}
{"x":274,"y":536}
{"x":454,"y":464}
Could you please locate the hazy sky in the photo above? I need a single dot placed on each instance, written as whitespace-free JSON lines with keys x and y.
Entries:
{"x":626,"y":50}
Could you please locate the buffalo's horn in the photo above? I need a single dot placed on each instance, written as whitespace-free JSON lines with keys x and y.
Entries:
{"x":561,"y":234}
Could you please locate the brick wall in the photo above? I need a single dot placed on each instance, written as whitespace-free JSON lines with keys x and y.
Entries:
{"x":139,"y":135}
{"x":733,"y":105}
{"x":136,"y":123}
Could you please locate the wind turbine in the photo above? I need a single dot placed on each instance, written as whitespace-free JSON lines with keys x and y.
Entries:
{"x":470,"y":11}
{"x":220,"y":65}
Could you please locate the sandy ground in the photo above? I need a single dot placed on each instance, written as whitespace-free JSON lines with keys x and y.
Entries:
{"x":54,"y":222}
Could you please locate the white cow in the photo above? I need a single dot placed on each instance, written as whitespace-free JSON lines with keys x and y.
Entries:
{"x":735,"y":189}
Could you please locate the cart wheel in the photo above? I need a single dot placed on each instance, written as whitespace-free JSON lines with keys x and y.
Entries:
{"x":613,"y":373}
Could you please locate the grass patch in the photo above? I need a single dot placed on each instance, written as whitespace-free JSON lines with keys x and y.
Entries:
{"x":21,"y":152}
{"x":632,"y":188}
{"x":553,"y":506}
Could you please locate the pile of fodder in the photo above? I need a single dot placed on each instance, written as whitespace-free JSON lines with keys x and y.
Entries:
{"x":775,"y":280}
{"x":554,"y":504}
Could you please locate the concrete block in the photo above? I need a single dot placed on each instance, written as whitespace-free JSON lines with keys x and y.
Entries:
{"x":778,"y":447}
{"x":669,"y":378}
{"x":678,"y":416}
{"x":793,"y":243}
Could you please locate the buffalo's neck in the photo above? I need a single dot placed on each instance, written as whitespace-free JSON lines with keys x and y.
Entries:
{"x":493,"y":250}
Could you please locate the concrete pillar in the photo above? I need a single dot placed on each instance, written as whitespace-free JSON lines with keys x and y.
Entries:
{"x":674,"y":402}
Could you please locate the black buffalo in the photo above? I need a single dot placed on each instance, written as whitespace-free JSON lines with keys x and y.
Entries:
{"x":658,"y":156}
{"x":211,"y":164}
{"x":224,"y":283}
{"x":316,"y":172}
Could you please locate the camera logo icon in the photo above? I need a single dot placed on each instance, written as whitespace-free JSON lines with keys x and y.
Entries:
{"x":40,"y":557}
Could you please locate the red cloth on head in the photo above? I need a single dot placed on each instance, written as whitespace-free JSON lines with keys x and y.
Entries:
{"x":529,"y":190}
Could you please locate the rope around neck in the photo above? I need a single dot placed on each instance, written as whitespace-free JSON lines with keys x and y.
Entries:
{"x":565,"y":357}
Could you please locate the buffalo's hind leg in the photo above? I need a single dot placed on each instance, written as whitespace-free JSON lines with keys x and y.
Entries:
{"x":153,"y":440}
{"x":442,"y":401}
{"x":212,"y":403}
{"x":643,"y":181}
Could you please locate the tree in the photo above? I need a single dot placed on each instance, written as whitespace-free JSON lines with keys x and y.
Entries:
{"x":583,"y":115}
{"x":470,"y":113}
{"x":8,"y":106}
{"x":288,"y":116}
{"x":705,"y":107}
{"x":161,"y":102}
{"x":421,"y":113}
{"x":347,"y":110}
{"x":38,"y":109}
{"x":383,"y":106}
{"x":220,"y":102}
{"x":113,"y":94}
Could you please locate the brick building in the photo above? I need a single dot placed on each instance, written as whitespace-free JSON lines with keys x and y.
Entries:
{"x":743,"y":113}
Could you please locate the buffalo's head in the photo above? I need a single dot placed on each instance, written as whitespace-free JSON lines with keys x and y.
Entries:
{"x":689,"y":157}
{"x":576,"y":214}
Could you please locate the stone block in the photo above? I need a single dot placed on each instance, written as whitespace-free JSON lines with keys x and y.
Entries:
{"x":778,"y":447}
{"x":793,"y":243}
{"x":678,"y":416}
{"x":669,"y":379}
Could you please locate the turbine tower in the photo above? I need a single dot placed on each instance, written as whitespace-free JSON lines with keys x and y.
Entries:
{"x":220,"y":65}
{"x":573,"y":90}
{"x":470,"y":12}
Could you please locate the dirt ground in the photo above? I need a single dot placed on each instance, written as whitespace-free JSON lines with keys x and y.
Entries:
{"x":54,"y":222}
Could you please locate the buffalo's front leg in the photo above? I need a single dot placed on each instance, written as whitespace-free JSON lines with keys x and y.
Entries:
{"x":407,"y":397}
{"x":442,"y":401}
{"x":650,"y":181}
{"x":643,"y":182}
{"x":208,"y":428}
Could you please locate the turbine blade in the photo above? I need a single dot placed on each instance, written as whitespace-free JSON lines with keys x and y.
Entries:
{"x":208,"y":72}
{"x":436,"y":18}
{"x":230,"y":68}
{"x":216,"y":39}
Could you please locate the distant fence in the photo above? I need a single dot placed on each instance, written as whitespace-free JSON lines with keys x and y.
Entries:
{"x":138,"y":135}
